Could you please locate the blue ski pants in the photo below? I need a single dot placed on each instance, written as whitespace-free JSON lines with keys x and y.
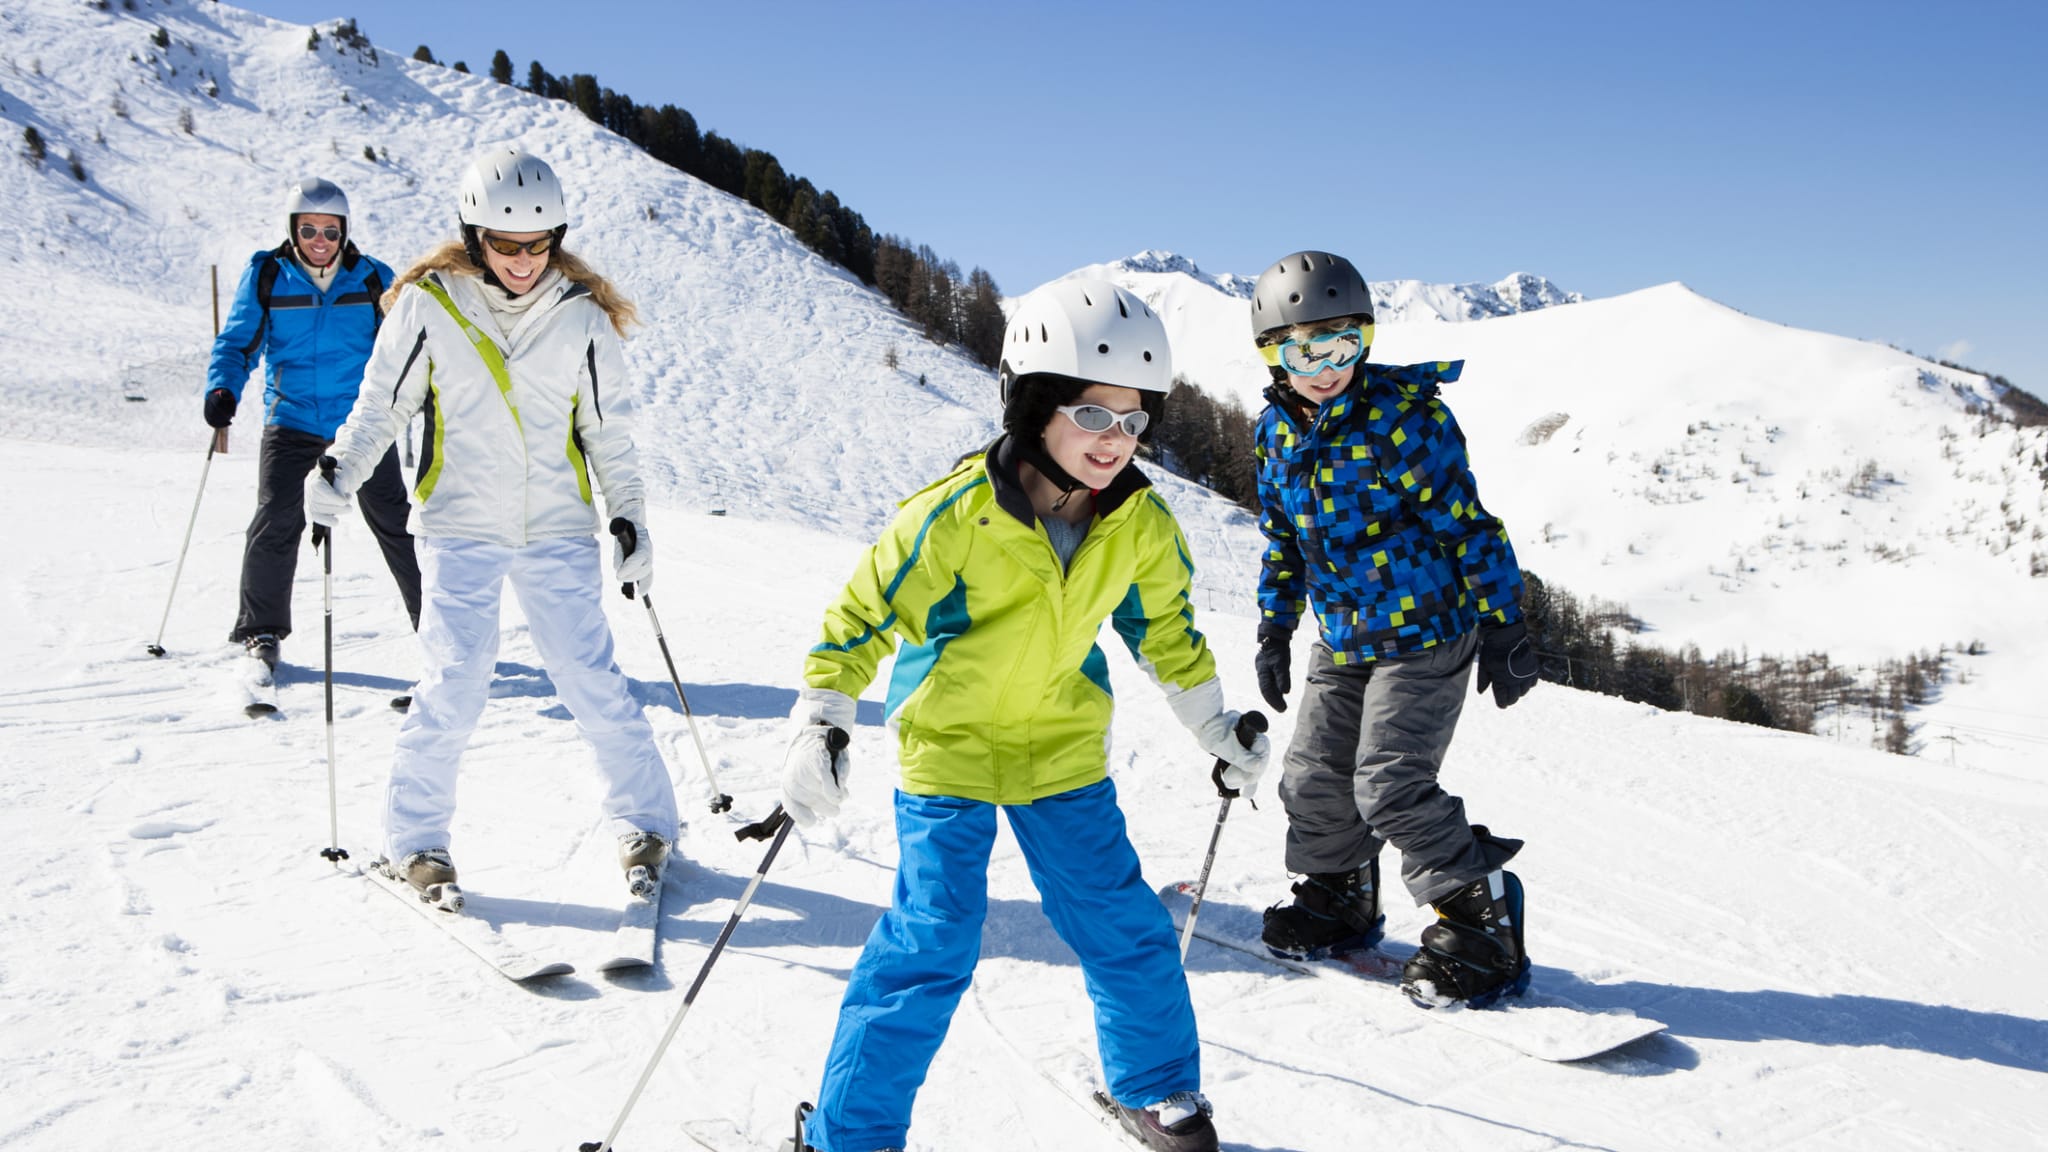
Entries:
{"x":922,"y":952}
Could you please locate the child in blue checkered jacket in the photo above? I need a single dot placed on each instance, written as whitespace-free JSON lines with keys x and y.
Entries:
{"x":1372,"y":518}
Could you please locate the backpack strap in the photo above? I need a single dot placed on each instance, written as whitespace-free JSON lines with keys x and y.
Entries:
{"x":486,"y":348}
{"x":375,"y":284}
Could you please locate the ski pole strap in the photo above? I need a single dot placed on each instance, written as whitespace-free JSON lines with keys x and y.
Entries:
{"x":1249,"y":726}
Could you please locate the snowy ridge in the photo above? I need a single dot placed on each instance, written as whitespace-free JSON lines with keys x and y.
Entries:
{"x":1739,"y":484}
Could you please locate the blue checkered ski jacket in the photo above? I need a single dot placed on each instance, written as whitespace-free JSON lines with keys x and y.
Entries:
{"x":1372,"y":516}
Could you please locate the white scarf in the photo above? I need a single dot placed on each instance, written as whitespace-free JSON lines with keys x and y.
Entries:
{"x":508,"y":310}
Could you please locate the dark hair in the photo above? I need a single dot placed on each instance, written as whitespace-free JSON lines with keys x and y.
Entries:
{"x":1035,"y":399}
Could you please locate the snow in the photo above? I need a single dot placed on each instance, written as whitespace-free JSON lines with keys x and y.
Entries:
{"x":1836,"y":937}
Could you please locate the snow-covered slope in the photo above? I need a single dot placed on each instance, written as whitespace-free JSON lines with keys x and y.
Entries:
{"x":1838,"y":939}
{"x":1737,"y":483}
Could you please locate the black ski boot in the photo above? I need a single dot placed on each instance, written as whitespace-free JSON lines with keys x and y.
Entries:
{"x":1179,"y":1123}
{"x":1474,"y":950}
{"x":1333,"y":913}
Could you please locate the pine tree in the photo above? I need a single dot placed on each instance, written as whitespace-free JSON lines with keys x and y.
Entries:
{"x":424,"y":55}
{"x":462,"y":66}
{"x":983,"y":320}
{"x":583,"y":93}
{"x":538,"y":81}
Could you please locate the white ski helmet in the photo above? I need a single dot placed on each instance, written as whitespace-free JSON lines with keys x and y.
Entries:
{"x":1088,"y":330}
{"x":314,"y":194}
{"x":512,"y":190}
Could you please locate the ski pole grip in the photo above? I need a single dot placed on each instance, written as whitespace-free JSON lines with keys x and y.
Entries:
{"x":629,"y":540}
{"x":1248,"y":728}
{"x":765,"y":827}
{"x":327,"y":466}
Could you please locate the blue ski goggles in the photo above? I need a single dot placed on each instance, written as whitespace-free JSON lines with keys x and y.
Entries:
{"x":1324,"y":351}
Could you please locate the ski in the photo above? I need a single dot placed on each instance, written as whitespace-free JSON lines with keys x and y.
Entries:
{"x":473,"y":931}
{"x":259,"y":689}
{"x":1536,"y":1024}
{"x":632,"y":946}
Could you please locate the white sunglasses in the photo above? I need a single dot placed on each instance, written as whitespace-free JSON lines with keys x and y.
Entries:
{"x":1096,"y":418}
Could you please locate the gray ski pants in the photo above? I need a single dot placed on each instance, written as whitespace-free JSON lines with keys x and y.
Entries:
{"x":1362,"y":770}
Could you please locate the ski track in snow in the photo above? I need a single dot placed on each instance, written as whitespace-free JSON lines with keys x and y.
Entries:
{"x":1837,"y":938}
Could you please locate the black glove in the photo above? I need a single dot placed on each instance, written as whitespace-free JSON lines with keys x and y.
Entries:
{"x":1273,"y":663}
{"x":1507,"y":663}
{"x":220,"y":408}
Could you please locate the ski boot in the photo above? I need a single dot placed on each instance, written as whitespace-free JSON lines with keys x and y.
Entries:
{"x":1474,"y":950}
{"x":431,"y":873}
{"x":263,"y":646}
{"x":642,"y":855}
{"x":1179,"y":1123}
{"x":1333,"y":913}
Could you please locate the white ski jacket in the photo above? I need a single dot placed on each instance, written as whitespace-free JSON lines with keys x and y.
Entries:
{"x":513,"y":433}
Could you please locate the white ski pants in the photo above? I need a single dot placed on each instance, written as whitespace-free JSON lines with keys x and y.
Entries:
{"x":558,"y":582}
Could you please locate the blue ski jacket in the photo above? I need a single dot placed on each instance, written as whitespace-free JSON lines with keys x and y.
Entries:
{"x":313,"y":345}
{"x":1371,"y":515}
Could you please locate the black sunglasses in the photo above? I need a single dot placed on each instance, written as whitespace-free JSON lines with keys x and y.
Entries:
{"x":331,"y":233}
{"x":504,"y":247}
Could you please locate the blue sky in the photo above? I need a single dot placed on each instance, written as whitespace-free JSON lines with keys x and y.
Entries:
{"x":1874,"y":169}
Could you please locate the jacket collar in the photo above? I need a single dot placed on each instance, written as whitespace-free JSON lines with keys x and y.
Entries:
{"x":1003,"y":457}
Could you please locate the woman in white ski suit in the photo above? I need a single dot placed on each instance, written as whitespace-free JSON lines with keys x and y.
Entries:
{"x":515,"y":361}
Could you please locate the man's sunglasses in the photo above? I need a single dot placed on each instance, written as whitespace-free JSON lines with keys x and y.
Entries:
{"x":329,"y":233}
{"x":505,"y":247}
{"x":1096,"y":418}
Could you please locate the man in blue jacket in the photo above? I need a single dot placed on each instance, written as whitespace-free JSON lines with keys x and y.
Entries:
{"x":309,"y":308}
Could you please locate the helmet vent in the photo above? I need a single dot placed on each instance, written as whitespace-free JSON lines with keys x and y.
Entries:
{"x":1086,"y":300}
{"x":1121,"y":310}
{"x":1148,"y":357}
{"x":1042,"y":334}
{"x":1294,"y":297}
{"x":1102,"y":348}
{"x":1330,"y":292}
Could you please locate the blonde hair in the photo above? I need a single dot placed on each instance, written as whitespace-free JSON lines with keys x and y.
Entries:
{"x":453,"y":256}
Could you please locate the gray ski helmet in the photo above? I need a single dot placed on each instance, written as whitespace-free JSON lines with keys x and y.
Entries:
{"x":1304,"y":287}
{"x":314,"y":194}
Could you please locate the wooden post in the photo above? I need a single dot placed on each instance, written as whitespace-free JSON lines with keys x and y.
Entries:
{"x":220,"y":435}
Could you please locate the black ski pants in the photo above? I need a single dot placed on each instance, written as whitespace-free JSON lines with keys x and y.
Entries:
{"x":271,"y":556}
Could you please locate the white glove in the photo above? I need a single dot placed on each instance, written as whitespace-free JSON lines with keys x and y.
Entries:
{"x":1201,"y":711}
{"x":635,"y":567}
{"x":813,"y":779}
{"x":327,"y":503}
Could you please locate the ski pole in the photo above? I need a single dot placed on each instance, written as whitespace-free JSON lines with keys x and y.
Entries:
{"x":1249,"y":726}
{"x":219,"y":443}
{"x":720,"y":802}
{"x":157,"y":649}
{"x":323,"y":543}
{"x":776,"y":824}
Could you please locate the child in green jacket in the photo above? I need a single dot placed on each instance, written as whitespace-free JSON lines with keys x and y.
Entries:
{"x":998,"y":578}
